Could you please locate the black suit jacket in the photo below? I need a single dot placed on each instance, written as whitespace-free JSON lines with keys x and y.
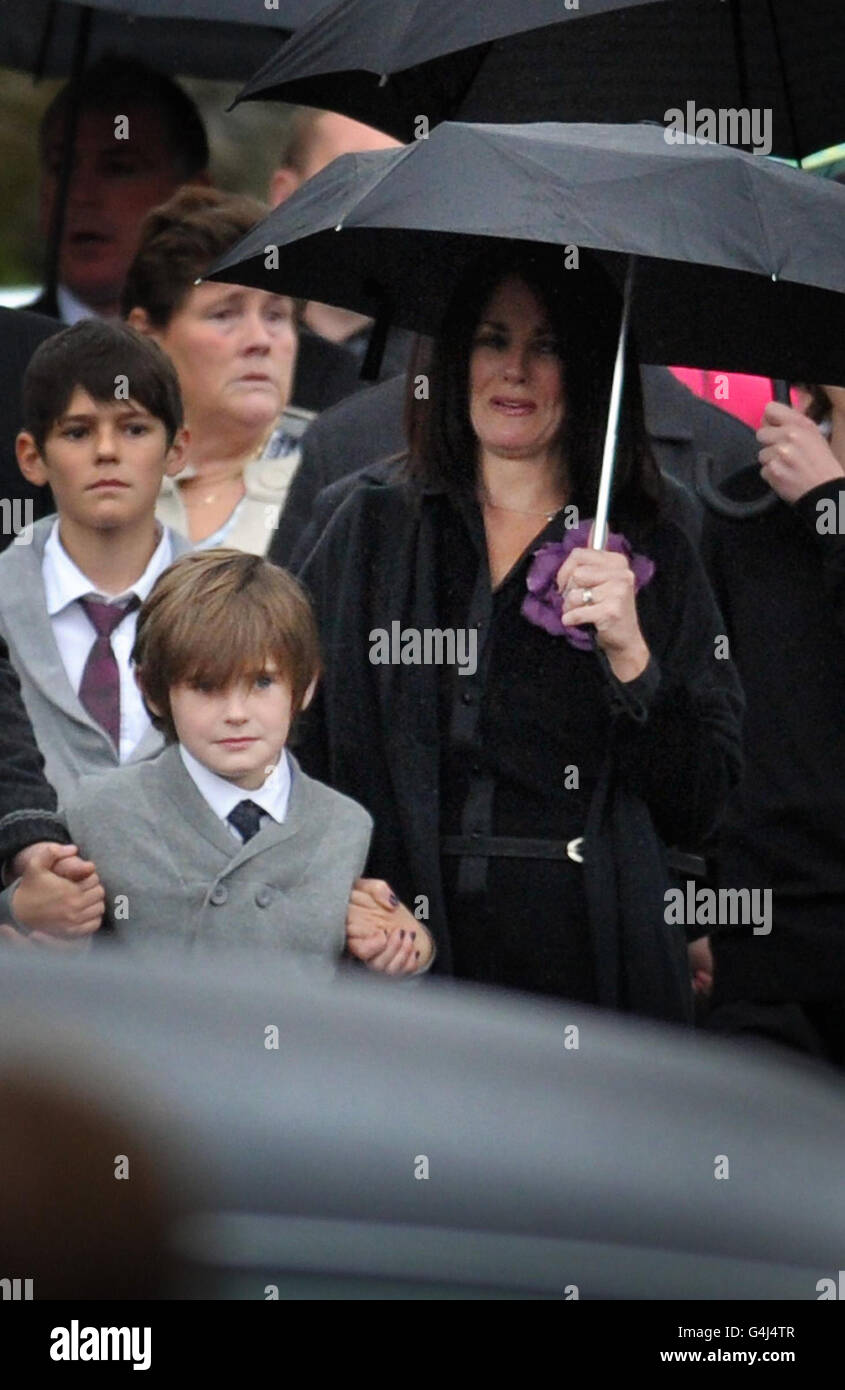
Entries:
{"x":27,"y":801}
{"x":20,"y":334}
{"x":366,"y":429}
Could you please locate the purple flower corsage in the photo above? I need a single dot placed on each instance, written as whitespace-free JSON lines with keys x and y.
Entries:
{"x":543,"y":604}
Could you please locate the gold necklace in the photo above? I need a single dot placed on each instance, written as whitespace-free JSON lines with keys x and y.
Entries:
{"x":237,"y":476}
{"x":519,"y":511}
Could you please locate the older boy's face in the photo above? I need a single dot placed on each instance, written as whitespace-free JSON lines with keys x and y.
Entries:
{"x":239,"y":732}
{"x":105,"y":460}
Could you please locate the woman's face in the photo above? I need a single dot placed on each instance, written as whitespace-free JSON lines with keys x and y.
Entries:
{"x":234,"y":350}
{"x":516,"y":398}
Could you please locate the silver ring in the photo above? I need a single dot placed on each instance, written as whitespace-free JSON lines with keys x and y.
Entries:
{"x":588,"y":596}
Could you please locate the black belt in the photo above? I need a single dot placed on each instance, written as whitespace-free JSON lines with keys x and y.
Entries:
{"x":511,"y":847}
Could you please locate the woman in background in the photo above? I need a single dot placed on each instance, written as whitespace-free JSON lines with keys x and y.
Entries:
{"x":234,"y":349}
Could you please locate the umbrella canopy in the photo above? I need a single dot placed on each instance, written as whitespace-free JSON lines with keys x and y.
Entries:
{"x":389,"y":62}
{"x":739,"y":260}
{"x":222,"y":39}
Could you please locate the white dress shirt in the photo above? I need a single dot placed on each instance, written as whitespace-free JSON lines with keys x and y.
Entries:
{"x":222,"y":796}
{"x":71,"y":309}
{"x":64,"y":586}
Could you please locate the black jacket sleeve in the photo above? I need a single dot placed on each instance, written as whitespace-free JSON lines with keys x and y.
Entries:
{"x":27,"y":801}
{"x":822,"y":510}
{"x":677,"y":728}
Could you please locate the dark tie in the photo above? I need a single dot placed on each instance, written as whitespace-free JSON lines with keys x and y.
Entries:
{"x":246,"y":818}
{"x":99,"y":690}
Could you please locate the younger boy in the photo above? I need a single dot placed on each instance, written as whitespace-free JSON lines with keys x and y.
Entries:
{"x":223,"y":841}
{"x":102,"y":425}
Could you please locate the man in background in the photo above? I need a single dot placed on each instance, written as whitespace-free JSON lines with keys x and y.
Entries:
{"x":138,"y":138}
{"x":315,"y":139}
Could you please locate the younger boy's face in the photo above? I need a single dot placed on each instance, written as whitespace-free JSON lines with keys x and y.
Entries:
{"x":104,"y":461}
{"x":239,"y":732}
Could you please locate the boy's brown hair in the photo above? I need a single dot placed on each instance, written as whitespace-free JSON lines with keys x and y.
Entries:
{"x":220,"y":616}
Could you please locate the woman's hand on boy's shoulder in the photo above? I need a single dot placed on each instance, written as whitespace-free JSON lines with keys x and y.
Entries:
{"x":382,"y":933}
{"x":58,"y":900}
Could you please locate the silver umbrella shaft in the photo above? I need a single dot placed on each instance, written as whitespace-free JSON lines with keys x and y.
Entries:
{"x":611,"y":438}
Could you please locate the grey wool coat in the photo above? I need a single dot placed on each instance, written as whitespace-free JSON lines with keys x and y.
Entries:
{"x":72,"y":744}
{"x":175,"y":875}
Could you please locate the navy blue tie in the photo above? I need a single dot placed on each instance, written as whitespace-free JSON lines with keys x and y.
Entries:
{"x":246,"y":818}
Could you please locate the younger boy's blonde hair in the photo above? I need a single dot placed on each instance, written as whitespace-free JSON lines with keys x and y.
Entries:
{"x":221,"y":616}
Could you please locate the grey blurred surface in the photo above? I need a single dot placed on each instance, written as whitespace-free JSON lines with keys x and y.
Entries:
{"x":549,"y":1166}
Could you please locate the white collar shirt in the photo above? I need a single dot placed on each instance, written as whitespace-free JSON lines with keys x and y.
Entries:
{"x":222,"y":796}
{"x":74,"y":634}
{"x":71,"y":309}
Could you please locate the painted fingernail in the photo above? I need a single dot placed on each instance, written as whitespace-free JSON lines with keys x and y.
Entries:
{"x":394,"y":901}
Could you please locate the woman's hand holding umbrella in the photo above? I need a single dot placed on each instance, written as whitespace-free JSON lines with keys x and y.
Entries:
{"x":796,"y":456}
{"x":598,"y":587}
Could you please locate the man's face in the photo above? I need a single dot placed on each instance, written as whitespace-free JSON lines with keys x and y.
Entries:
{"x":113,"y":185}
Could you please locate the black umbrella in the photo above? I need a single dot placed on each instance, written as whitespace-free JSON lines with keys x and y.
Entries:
{"x":738,"y":260}
{"x":200,"y":38}
{"x":392,"y":62}
{"x":225,"y":39}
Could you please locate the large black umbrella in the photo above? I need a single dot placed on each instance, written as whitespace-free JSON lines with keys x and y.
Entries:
{"x":392,"y":62}
{"x":740,"y":260}
{"x":199,"y":38}
{"x":225,"y":39}
{"x":737,"y":260}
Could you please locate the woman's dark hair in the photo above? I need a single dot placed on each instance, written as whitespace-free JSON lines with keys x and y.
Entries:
{"x":584,"y":309}
{"x":97,"y":355}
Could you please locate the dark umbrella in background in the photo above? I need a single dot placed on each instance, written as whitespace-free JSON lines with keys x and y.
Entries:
{"x":389,"y":62}
{"x":736,"y":260}
{"x":197,"y":38}
{"x":405,"y":65}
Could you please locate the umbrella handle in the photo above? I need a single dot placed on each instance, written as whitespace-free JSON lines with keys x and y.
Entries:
{"x":716,"y":500}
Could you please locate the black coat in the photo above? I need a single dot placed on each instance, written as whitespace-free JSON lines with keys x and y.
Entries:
{"x":372,"y":732}
{"x":780,"y":581}
{"x":27,"y":801}
{"x":20,"y":334}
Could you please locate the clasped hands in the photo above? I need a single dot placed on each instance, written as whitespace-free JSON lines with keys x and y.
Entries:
{"x":382,"y":933}
{"x":59,"y":900}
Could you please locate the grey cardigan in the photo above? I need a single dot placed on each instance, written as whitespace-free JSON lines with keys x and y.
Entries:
{"x":174,"y":873}
{"x":72,"y":743}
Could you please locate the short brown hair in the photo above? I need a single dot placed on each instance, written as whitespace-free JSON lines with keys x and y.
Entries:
{"x":218,"y":616}
{"x":179,"y":241}
{"x":87,"y":355}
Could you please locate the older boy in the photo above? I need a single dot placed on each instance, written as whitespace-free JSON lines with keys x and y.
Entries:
{"x":102,"y":426}
{"x":223,"y":841}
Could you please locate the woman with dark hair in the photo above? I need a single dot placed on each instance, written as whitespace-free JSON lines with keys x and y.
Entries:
{"x":780,"y":580}
{"x":524,"y":777}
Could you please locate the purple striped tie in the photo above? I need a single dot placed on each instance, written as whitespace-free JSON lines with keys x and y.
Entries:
{"x":99,"y":690}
